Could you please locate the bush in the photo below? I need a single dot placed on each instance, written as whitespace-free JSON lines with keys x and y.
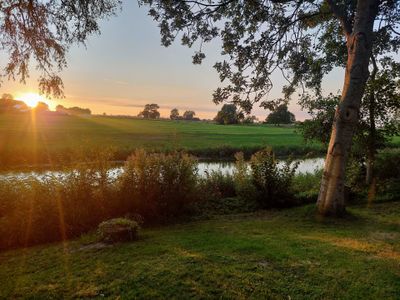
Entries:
{"x":216,"y":185}
{"x":272,"y":183}
{"x":159,"y":186}
{"x":306,"y":186}
{"x":118,"y":230}
{"x":243,"y":179}
{"x":388,"y":164}
{"x":51,"y":208}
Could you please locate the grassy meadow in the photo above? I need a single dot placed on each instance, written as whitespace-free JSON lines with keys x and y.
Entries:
{"x":44,"y":138}
{"x":287,"y":254}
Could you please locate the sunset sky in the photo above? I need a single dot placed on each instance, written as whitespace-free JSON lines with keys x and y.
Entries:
{"x":126,"y":67}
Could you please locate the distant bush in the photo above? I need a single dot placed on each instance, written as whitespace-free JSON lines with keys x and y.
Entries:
{"x":118,"y":230}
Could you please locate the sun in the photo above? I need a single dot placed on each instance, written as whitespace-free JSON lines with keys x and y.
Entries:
{"x":32,"y":99}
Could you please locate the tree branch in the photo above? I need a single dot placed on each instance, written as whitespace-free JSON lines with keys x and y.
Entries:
{"x":341,"y":15}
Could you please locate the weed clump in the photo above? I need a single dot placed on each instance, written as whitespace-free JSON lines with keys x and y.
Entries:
{"x":118,"y":230}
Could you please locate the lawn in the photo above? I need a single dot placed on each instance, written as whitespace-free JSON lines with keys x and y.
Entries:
{"x":286,"y":254}
{"x":44,"y":138}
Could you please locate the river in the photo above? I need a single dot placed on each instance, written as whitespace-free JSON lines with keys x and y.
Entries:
{"x":309,"y":165}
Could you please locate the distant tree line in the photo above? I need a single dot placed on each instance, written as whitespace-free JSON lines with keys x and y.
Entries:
{"x":150,"y":111}
{"x":9,"y":105}
{"x":75,"y":111}
{"x":229,"y":115}
{"x":187,"y":115}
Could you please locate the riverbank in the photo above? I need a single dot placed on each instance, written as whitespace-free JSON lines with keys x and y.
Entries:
{"x":267,"y":254}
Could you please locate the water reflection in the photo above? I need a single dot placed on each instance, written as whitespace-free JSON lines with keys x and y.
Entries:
{"x":305,"y":166}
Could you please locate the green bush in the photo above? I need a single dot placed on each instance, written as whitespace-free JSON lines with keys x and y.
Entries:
{"x":387,"y":170}
{"x":118,"y":230}
{"x":216,"y":185}
{"x":159,"y":186}
{"x":34,"y":211}
{"x":243,"y":179}
{"x":387,"y":164}
{"x":272,"y":182}
{"x":306,"y":186}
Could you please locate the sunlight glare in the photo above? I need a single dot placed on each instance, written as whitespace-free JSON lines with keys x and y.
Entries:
{"x":32,"y":99}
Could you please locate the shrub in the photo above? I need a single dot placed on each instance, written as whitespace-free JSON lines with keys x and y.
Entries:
{"x":306,"y":186}
{"x":118,"y":230}
{"x":244,"y":186}
{"x":272,"y":183}
{"x":159,"y":186}
{"x":388,"y":164}
{"x":50,"y":208}
{"x":216,"y":185}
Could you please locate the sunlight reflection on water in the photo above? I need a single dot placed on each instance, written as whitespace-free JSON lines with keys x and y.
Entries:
{"x":305,"y":166}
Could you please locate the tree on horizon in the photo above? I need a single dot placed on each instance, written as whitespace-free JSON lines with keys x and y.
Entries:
{"x":150,"y":111}
{"x":280,"y":115}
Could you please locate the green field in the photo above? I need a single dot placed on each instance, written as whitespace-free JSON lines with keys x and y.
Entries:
{"x":23,"y":138}
{"x":285,"y":254}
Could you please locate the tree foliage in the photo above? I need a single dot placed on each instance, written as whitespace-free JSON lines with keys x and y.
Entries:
{"x":281,"y":115}
{"x":150,"y":111}
{"x":41,"y":107}
{"x":42,"y":31}
{"x":227,"y":115}
{"x":189,"y":115}
{"x":303,"y":40}
{"x":174,"y":115}
{"x":9,"y":105}
{"x":73,"y":110}
{"x":376,"y":126}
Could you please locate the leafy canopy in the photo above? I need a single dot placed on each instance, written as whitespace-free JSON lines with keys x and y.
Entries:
{"x":303,"y":40}
{"x":42,"y":31}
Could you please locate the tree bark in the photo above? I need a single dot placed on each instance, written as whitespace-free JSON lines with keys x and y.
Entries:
{"x":359,"y":43}
{"x":372,"y":128}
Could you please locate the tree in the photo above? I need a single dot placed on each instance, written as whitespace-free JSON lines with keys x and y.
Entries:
{"x":9,"y":105}
{"x":304,"y":40}
{"x":377,"y":114}
{"x":281,"y":115}
{"x":150,"y":111}
{"x":7,"y":97}
{"x":249,"y":119}
{"x":174,"y":114}
{"x":43,"y":31}
{"x":188,"y":115}
{"x":41,"y":107}
{"x":75,"y":111}
{"x":322,"y":111}
{"x":227,"y":115}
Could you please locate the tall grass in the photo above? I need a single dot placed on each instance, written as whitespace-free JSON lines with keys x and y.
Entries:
{"x":158,"y":187}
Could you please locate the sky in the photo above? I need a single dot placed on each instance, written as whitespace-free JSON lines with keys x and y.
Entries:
{"x":125,"y":67}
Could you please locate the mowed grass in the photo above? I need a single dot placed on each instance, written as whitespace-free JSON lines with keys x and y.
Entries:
{"x":47,"y":135}
{"x":285,"y":254}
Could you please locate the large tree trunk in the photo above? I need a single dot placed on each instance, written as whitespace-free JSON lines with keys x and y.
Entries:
{"x":359,"y":43}
{"x":372,"y":128}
